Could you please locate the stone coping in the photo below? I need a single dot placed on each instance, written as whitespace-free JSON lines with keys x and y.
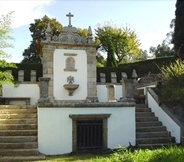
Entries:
{"x":66,"y":43}
{"x":166,"y":110}
{"x":87,"y":104}
{"x":163,"y":106}
{"x":25,"y":82}
{"x":142,"y":85}
{"x":100,"y":83}
{"x":89,"y":116}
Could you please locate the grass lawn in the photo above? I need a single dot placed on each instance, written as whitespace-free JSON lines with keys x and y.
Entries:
{"x":171,"y":154}
{"x":71,"y":158}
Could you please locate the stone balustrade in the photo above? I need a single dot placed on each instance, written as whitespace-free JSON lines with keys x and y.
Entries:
{"x":23,"y":76}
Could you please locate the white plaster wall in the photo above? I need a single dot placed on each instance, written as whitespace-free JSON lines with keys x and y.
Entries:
{"x":60,"y":76}
{"x":171,"y":125}
{"x":22,"y":90}
{"x":102,"y":92}
{"x":55,"y":127}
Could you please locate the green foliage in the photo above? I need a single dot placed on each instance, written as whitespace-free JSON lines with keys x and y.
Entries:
{"x":5,"y":22}
{"x":172,"y":76}
{"x":118,"y":43}
{"x":162,"y":50}
{"x":5,"y":29}
{"x":171,"y":154}
{"x":5,"y":78}
{"x":178,"y":36}
{"x":174,"y":73}
{"x":34,"y":51}
{"x":82,"y":32}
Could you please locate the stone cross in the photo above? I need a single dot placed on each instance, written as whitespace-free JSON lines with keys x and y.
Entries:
{"x":70,"y":15}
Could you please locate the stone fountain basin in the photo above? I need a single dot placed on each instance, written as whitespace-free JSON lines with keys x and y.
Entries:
{"x":71,"y":88}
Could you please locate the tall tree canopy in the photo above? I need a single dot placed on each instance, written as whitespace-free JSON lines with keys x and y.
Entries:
{"x":178,"y":36}
{"x":120,"y":44}
{"x":162,"y":50}
{"x":5,"y":28}
{"x":34,"y":51}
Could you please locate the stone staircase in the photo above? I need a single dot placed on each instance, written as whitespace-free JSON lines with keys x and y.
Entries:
{"x":150,"y":133}
{"x":18,"y":133}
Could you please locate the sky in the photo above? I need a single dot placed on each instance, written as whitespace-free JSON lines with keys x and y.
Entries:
{"x":150,"y":19}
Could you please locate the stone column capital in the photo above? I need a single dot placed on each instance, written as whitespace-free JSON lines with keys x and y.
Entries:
{"x":43,"y":79}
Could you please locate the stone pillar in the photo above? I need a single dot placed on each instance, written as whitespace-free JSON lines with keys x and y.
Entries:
{"x":113,"y":77}
{"x":102,"y":78}
{"x":44,"y":83}
{"x":123,"y":89}
{"x":110,"y":93}
{"x":33,"y":75}
{"x":21,"y":75}
{"x":48,"y":64}
{"x":91,"y":74}
{"x":128,"y":87}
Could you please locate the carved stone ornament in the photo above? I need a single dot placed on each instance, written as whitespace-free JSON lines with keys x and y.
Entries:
{"x":69,"y":34}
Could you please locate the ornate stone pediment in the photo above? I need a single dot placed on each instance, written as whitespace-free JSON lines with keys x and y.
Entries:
{"x":69,"y":34}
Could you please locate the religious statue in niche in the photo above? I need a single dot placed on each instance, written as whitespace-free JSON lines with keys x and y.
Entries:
{"x":70,"y":64}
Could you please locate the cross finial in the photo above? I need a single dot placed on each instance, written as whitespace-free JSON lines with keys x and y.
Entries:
{"x":69,"y":15}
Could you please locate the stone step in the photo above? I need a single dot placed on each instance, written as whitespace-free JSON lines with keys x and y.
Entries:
{"x":148,"y":124}
{"x":151,"y":129}
{"x":18,"y":132}
{"x":18,"y":126}
{"x":18,"y":111}
{"x":18,"y":116}
{"x":145,"y":114}
{"x":143,"y":110}
{"x":18,"y":121}
{"x":146,"y":119}
{"x":17,"y":139}
{"x":155,"y":145}
{"x":21,"y":158}
{"x":18,"y":107}
{"x":19,"y":152}
{"x":141,"y":106}
{"x":154,"y":140}
{"x":23,"y":145}
{"x":152,"y":134}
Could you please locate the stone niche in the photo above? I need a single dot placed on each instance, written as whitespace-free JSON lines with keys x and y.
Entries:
{"x":70,"y":62}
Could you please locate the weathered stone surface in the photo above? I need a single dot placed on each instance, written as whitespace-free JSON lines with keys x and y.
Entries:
{"x":127,"y":89}
{"x":21,"y":75}
{"x":44,"y":89}
{"x":84,"y":104}
{"x":110,"y":93}
{"x":33,"y":75}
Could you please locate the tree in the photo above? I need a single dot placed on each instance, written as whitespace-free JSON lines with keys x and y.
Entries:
{"x":34,"y":51}
{"x":118,"y":43}
{"x":143,"y":55}
{"x":5,"y":23}
{"x":178,"y":36}
{"x":162,"y":50}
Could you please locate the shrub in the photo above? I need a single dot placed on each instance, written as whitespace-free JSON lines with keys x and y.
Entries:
{"x":172,"y":87}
